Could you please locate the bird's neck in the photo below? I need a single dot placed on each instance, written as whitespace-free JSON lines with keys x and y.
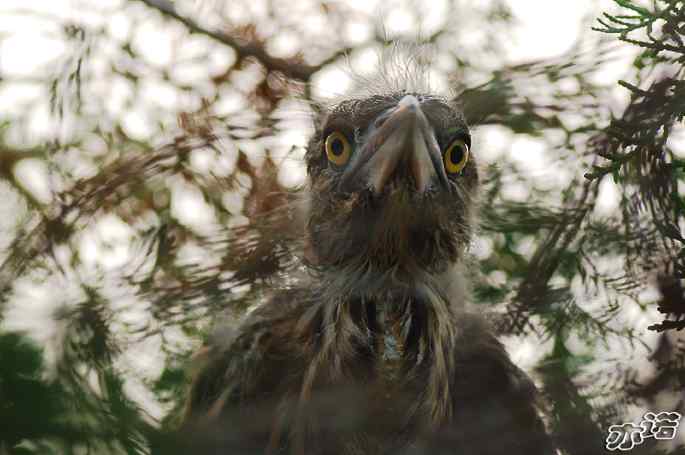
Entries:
{"x":393,"y":288}
{"x":401,"y":335}
{"x":390,"y":327}
{"x":393,"y":320}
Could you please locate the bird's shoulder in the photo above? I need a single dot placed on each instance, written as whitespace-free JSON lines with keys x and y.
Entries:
{"x":271,"y":319}
{"x":493,"y":396}
{"x":265,"y":339}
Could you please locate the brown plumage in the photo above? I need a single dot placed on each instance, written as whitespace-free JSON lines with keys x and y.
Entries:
{"x":374,"y":351}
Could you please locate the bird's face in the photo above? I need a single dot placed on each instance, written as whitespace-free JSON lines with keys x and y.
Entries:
{"x":393,"y":183}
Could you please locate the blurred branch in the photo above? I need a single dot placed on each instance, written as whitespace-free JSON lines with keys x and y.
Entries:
{"x":672,"y":303}
{"x":534,"y":293}
{"x":9,"y":159}
{"x":294,"y":67}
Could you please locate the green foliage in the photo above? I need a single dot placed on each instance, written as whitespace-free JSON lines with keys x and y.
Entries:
{"x":31,"y":408}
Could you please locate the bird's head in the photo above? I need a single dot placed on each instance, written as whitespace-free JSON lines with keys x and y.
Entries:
{"x":393,"y":183}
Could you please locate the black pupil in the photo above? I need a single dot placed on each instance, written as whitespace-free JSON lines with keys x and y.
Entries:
{"x":337,"y":147}
{"x":456,"y":155}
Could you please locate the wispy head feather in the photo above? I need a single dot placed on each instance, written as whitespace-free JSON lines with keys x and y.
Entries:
{"x":398,"y":67}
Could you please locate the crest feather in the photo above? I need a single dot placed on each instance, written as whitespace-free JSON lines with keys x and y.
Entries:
{"x":398,"y":67}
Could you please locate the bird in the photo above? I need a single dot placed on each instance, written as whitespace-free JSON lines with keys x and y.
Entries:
{"x":376,"y":348}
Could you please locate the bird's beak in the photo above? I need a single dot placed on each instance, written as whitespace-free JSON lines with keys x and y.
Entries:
{"x":403,"y":143}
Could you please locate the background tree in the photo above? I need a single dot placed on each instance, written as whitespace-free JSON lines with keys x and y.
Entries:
{"x":145,"y":176}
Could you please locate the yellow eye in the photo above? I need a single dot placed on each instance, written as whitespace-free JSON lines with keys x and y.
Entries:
{"x":338,"y":149}
{"x":456,"y":156}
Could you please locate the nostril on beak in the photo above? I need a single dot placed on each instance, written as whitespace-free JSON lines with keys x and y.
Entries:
{"x":380,"y":121}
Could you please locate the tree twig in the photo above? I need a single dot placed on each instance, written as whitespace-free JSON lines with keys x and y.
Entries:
{"x":292,"y":67}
